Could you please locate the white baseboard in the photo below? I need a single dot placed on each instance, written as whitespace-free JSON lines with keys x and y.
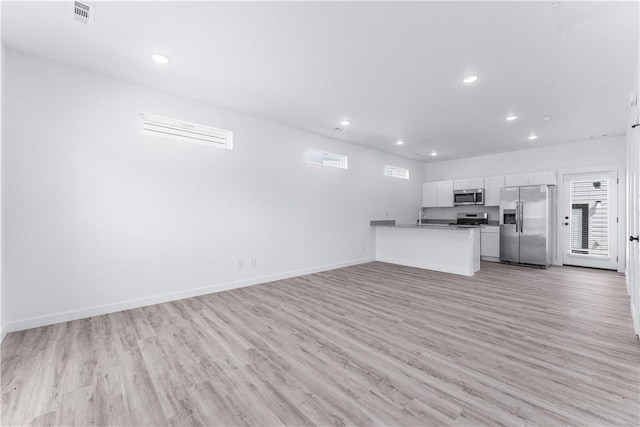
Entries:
{"x":635,"y":317}
{"x":626,"y":282}
{"x":50,"y":319}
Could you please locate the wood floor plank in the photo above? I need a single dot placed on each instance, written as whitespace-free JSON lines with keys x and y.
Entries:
{"x":18,"y":383}
{"x":144,"y":406}
{"x":46,"y":420}
{"x":372,"y":344}
{"x":111,"y":406}
{"x":77,"y":408}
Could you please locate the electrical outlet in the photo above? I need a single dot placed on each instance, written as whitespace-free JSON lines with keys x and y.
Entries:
{"x":253,"y":262}
{"x":240,"y":264}
{"x":363,"y":247}
{"x":386,"y":214}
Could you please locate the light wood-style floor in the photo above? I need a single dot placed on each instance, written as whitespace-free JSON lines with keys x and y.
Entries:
{"x":375,"y":344}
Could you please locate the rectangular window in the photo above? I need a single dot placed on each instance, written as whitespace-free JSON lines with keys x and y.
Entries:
{"x":152,"y":124}
{"x":323,"y":158}
{"x":396,"y":172}
{"x":590,"y":217}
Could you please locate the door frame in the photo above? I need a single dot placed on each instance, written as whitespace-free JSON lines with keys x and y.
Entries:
{"x":621,"y":208}
{"x":609,"y":262}
{"x":632,"y":275}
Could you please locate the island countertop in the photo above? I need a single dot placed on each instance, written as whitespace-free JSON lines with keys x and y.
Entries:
{"x":428,"y":226}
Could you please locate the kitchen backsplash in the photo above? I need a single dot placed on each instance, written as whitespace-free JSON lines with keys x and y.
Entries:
{"x":451,"y":213}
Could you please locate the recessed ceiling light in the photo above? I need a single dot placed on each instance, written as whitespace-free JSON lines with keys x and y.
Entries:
{"x":533,"y":136}
{"x":345,"y":122}
{"x":511,"y":118}
{"x":399,"y":142}
{"x":160,"y":58}
{"x":546,"y":118}
{"x":470,"y":79}
{"x":434,"y":153}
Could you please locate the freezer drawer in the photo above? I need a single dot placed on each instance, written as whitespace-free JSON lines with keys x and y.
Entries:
{"x":509,"y":243}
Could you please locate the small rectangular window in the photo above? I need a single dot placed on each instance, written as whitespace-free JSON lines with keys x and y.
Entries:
{"x":323,"y":158}
{"x":589,"y":230}
{"x":396,"y":172}
{"x":181,"y":130}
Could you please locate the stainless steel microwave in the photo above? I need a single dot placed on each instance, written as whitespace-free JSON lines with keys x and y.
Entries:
{"x":468,"y":197}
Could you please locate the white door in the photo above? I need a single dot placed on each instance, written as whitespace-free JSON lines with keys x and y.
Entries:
{"x":590,"y":215}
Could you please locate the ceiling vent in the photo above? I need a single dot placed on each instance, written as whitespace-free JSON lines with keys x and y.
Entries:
{"x":151,"y":124}
{"x":84,"y":13}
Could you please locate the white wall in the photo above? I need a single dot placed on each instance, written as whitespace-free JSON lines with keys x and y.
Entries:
{"x":100,"y":218}
{"x":575,"y":157}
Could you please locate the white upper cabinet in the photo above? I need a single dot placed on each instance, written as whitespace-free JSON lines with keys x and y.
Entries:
{"x":492,"y":186}
{"x":533,"y":178}
{"x":437,"y":194}
{"x":539,"y":178}
{"x":445,"y":193}
{"x":516,"y":180}
{"x":476,"y":182}
{"x":440,"y":193}
{"x":429,"y":194}
{"x":469,"y":183}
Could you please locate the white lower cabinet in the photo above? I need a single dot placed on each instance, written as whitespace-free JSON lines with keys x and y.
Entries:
{"x":490,"y":243}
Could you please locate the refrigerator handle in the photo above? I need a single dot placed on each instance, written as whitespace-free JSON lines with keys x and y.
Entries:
{"x":517,"y":214}
{"x":521,"y":217}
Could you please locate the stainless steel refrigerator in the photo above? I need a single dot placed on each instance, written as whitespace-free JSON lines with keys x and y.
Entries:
{"x":526,"y":224}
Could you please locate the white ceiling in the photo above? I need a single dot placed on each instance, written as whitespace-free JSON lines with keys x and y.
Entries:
{"x":394,"y":69}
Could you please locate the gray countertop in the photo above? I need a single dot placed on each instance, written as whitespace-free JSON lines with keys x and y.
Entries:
{"x":430,"y":223}
{"x":429,"y":226}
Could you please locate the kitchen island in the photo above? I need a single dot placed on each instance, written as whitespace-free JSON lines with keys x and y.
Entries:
{"x":447,"y":248}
